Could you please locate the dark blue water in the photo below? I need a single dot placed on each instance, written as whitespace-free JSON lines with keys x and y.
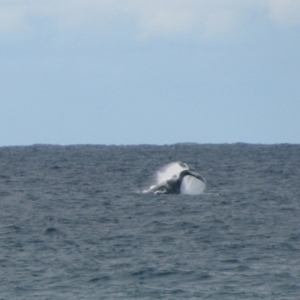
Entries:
{"x":73,"y":225}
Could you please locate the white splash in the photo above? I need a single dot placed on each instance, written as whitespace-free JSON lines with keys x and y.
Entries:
{"x":170,"y":171}
{"x":191,"y":183}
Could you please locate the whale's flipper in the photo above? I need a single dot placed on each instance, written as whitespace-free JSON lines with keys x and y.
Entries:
{"x":191,"y":185}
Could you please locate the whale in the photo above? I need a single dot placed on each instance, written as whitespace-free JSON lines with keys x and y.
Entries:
{"x":176,"y":178}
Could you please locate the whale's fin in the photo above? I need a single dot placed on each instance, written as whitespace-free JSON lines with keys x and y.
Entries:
{"x":192,"y":185}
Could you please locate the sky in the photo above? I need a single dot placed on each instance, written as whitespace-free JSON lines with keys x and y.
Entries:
{"x":149,"y":71}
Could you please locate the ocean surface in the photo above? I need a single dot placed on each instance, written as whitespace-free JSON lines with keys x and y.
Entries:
{"x":75,"y":225}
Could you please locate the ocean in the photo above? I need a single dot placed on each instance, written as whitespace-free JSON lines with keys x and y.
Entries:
{"x":75,"y":225}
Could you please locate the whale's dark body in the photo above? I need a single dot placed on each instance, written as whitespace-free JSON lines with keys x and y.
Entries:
{"x":174,"y":185}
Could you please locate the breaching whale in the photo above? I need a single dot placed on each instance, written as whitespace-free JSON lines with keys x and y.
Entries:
{"x":176,"y":178}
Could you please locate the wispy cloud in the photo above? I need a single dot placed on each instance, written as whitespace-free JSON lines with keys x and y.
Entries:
{"x":150,"y":17}
{"x":286,"y":12}
{"x":11,"y":19}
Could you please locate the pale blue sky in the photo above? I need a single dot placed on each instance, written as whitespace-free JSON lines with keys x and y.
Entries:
{"x":149,"y":71}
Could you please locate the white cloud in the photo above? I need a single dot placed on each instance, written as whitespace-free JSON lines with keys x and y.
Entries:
{"x":10,"y":19}
{"x":150,"y":17}
{"x":220,"y":22}
{"x":163,"y":17}
{"x":286,"y":12}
